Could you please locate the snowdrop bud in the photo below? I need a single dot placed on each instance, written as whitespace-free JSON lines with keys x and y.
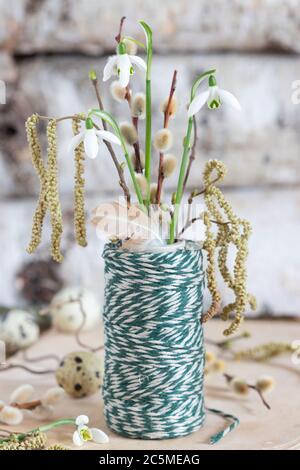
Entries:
{"x":169,"y":165}
{"x":129,"y":133}
{"x":53,"y":396}
{"x":131,"y":47}
{"x":163,"y":140}
{"x":142,"y":159}
{"x":11,"y":416}
{"x":22,"y":394}
{"x":265,"y":384}
{"x":239,"y":386}
{"x":42,"y":412}
{"x":117,"y":92}
{"x":153,"y":191}
{"x":142,"y":182}
{"x":138,"y":106}
{"x":92,"y":75}
{"x":173,"y":108}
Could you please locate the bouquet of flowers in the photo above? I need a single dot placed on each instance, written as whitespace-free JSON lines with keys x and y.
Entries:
{"x":151,"y":219}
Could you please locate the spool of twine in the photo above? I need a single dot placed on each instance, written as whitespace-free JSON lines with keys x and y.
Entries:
{"x":154,"y":351}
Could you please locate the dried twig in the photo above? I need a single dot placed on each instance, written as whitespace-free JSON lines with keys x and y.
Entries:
{"x":229,"y":378}
{"x":166,"y":123}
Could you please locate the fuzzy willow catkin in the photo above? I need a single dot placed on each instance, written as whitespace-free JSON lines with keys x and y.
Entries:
{"x":79,"y":210}
{"x":37,"y":160}
{"x":231,"y":230}
{"x":210,"y":247}
{"x":52,"y":191}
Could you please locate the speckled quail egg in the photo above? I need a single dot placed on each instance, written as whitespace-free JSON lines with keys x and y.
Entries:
{"x":80,"y":374}
{"x":73,"y":305}
{"x":18,"y":330}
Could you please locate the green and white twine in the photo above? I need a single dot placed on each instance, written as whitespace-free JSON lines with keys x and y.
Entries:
{"x":154,"y":351}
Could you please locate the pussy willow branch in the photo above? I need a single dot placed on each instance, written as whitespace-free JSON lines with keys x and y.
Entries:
{"x":29,"y":405}
{"x":109,"y":147}
{"x":135,"y":121}
{"x":166,"y":123}
{"x":194,"y":219}
{"x":229,"y":378}
{"x":27,"y":369}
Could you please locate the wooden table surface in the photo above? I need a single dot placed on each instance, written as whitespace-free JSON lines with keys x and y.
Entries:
{"x":259,"y":428}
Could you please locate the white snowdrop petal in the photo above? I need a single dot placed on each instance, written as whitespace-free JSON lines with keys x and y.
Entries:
{"x":75,"y":141}
{"x":77,"y":440}
{"x":11,"y":416}
{"x":81,"y":420}
{"x":99,"y":436}
{"x":22,"y":394}
{"x":53,"y":396}
{"x":109,"y":68}
{"x":91,"y":145}
{"x":106,"y":135}
{"x":140,"y":63}
{"x":124,"y":66}
{"x":230,"y":99}
{"x":198,"y":102}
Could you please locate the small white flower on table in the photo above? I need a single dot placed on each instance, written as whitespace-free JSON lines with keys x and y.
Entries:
{"x":90,"y":138}
{"x":214,"y":97}
{"x":122,"y":64}
{"x":84,"y":433}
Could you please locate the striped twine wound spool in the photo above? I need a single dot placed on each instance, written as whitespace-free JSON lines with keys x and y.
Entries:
{"x":154,"y":351}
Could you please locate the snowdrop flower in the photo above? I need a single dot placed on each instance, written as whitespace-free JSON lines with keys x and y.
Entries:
{"x":214,"y":97}
{"x":122,"y":64}
{"x":90,"y":138}
{"x":84,"y":433}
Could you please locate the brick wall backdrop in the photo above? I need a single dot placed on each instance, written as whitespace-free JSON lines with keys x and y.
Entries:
{"x":46,"y":50}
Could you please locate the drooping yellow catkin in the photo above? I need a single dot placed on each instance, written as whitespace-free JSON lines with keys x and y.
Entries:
{"x":37,"y":160}
{"x":36,"y":441}
{"x":263,"y":352}
{"x":231,"y":230}
{"x":52,"y":192}
{"x":210,"y":247}
{"x":79,"y":209}
{"x":57,"y":447}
